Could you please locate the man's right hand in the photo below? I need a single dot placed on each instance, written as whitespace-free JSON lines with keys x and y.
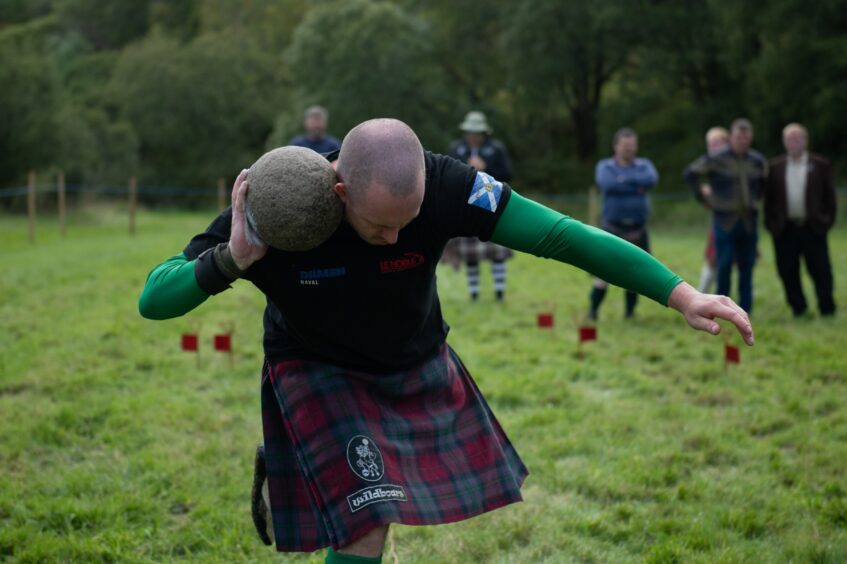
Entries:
{"x":701,"y":310}
{"x":243,"y":253}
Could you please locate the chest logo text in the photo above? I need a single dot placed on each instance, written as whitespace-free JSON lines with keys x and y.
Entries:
{"x":405,"y":262}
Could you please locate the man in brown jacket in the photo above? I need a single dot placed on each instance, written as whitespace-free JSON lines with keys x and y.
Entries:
{"x":799,"y":210}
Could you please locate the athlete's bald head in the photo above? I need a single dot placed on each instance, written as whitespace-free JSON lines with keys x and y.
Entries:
{"x":381,"y":177}
{"x":384,"y":152}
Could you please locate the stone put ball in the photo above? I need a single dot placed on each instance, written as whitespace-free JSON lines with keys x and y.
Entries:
{"x":291,"y":203}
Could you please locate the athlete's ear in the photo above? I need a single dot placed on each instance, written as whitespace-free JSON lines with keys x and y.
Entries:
{"x":341,"y":192}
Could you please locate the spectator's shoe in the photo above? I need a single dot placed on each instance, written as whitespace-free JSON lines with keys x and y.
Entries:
{"x":474,"y":296}
{"x":499,"y":295}
{"x":260,"y":499}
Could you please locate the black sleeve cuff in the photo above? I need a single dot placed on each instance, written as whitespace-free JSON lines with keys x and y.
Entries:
{"x":209,"y":277}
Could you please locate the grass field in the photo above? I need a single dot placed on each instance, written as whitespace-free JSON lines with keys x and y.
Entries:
{"x":117,"y":446}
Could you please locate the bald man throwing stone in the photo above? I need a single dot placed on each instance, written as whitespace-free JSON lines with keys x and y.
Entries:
{"x":369,"y":416}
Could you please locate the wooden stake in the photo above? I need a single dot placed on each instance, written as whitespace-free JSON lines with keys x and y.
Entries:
{"x":30,"y":204}
{"x":133,"y":202}
{"x":221,"y":194}
{"x":592,"y":205}
{"x":61,"y":195}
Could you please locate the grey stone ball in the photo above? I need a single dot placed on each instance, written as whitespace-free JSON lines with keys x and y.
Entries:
{"x":291,"y":203}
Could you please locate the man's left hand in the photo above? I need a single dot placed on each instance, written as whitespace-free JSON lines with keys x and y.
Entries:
{"x":701,"y":310}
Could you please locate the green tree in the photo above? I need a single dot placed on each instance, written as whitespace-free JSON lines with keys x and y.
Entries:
{"x":177,"y":18}
{"x":270,"y":23}
{"x":93,"y":149}
{"x":683,"y":44}
{"x":465,"y":37}
{"x":106,"y":25}
{"x":29,"y":102}
{"x":16,"y":11}
{"x":466,"y":46}
{"x":365,"y":59}
{"x":200,"y":111}
{"x":801,"y":74}
{"x":561,"y":57}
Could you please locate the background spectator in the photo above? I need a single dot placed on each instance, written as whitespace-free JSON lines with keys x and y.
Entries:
{"x":315,"y":122}
{"x":717,"y":140}
{"x":478,"y":149}
{"x":731,"y":183}
{"x":800,"y":207}
{"x":624,"y":180}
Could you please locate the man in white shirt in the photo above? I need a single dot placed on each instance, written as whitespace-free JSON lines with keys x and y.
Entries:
{"x":799,"y":210}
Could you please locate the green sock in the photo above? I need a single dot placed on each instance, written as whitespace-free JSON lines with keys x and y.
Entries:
{"x":333,"y":557}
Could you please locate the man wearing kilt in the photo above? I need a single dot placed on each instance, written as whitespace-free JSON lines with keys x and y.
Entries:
{"x":369,"y":417}
{"x":486,"y":154}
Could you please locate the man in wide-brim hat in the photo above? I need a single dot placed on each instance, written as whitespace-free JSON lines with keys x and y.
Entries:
{"x":481,"y":151}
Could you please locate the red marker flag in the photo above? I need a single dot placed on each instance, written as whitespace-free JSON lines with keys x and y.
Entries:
{"x":731,"y":354}
{"x":545,"y":320}
{"x":189,"y":342}
{"x":587,"y":333}
{"x":223,"y":343}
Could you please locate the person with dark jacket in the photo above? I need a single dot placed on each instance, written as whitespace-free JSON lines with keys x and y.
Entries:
{"x":480,"y":150}
{"x":799,"y":210}
{"x":731,"y":184}
{"x":315,"y":120}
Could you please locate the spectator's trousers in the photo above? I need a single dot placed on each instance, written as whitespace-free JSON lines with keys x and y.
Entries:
{"x":802,"y":241}
{"x":736,"y":244}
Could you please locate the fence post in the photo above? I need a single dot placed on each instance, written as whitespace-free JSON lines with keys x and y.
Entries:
{"x":592,"y":205}
{"x":133,"y":202}
{"x":221,"y":194}
{"x":30,"y":204}
{"x":61,"y":196}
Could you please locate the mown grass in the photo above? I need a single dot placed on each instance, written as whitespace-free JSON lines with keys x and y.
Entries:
{"x":117,"y":446}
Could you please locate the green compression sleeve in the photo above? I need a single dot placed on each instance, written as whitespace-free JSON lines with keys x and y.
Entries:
{"x":533,"y":228}
{"x":171,"y":290}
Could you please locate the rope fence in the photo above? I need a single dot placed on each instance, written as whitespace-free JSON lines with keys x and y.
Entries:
{"x":18,"y":191}
{"x":132,"y":191}
{"x":148,"y":190}
{"x":33,"y":190}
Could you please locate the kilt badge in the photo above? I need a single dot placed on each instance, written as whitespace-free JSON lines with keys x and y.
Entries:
{"x":364,"y":458}
{"x":366,"y":462}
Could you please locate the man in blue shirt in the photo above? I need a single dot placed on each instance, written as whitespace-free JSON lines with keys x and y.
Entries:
{"x":731,"y":184}
{"x":315,"y":122}
{"x":624,"y":180}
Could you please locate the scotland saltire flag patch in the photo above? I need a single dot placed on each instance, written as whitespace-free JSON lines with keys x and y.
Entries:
{"x":486,"y":192}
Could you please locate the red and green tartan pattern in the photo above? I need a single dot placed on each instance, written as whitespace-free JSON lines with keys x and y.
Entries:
{"x":436,"y":435}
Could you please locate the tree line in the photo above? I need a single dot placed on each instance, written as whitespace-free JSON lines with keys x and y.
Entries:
{"x":182,"y":92}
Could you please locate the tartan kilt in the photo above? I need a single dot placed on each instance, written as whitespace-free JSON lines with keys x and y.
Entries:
{"x":471,"y":249}
{"x":348,"y":451}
